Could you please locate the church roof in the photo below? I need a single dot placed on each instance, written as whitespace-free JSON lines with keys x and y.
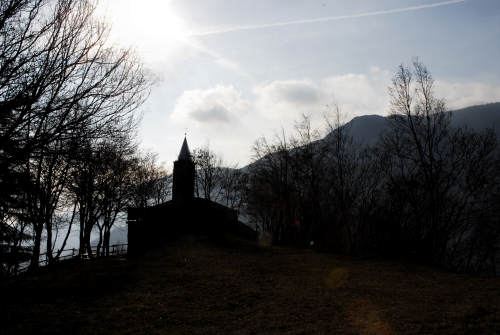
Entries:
{"x":185,"y":154}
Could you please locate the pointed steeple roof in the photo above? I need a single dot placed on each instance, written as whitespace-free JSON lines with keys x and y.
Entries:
{"x":185,"y":154}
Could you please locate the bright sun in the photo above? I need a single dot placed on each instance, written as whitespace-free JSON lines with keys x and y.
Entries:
{"x":150,"y":25}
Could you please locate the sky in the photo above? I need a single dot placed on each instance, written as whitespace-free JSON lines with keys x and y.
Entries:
{"x":228,"y":72}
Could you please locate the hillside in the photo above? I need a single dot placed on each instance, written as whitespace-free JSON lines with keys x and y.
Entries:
{"x":366,"y":129}
{"x":195,"y":286}
{"x":479,"y":117}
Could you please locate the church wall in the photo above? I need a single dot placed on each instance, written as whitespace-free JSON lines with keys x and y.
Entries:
{"x":151,"y":227}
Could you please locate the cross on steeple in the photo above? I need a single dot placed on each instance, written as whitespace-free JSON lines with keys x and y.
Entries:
{"x":184,"y":154}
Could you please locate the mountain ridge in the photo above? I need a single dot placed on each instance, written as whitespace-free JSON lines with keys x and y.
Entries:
{"x":366,"y":129}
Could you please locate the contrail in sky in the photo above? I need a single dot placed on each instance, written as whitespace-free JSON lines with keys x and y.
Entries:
{"x":323,"y":19}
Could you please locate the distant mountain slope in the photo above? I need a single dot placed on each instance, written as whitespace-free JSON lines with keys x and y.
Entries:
{"x":367,"y":128}
{"x":478,"y":117}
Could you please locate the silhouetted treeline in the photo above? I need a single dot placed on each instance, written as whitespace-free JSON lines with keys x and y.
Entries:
{"x":426,"y":191}
{"x":68,"y":157}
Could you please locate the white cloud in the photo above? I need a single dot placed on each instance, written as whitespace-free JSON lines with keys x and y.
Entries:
{"x":281,"y":102}
{"x":300,"y":92}
{"x":287,"y":99}
{"x":459,"y":94}
{"x":355,"y":94}
{"x":231,"y":123}
{"x":218,"y":105}
{"x":220,"y":116}
{"x":359,"y":94}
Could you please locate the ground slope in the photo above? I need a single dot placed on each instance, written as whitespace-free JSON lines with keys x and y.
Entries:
{"x":195,"y":286}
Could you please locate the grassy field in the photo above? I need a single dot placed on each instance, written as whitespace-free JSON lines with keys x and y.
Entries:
{"x":195,"y":286}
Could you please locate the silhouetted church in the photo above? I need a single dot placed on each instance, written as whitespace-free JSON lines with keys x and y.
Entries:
{"x":183,"y":214}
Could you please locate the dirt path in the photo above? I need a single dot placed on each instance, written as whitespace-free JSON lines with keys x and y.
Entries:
{"x":197,"y":287}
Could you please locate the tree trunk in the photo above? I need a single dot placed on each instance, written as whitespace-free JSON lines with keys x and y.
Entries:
{"x":67,"y":233}
{"x":36,"y":247}
{"x":48,"y":252}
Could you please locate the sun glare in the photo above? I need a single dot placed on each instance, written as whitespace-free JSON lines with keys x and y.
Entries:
{"x":151,"y":26}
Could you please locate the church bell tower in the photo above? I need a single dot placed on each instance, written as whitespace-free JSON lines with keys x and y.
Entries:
{"x":184,"y":174}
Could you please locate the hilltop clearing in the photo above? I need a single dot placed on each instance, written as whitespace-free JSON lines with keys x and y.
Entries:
{"x":196,"y":286}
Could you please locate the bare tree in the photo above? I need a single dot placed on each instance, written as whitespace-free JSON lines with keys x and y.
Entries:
{"x":57,"y":72}
{"x":270,"y":200}
{"x":162,"y":187}
{"x":304,"y":188}
{"x":307,"y":172}
{"x":437,"y":175}
{"x":50,"y":173}
{"x":349,"y":186}
{"x":233,"y":184}
{"x":114,"y":184}
{"x":208,"y":173}
{"x":151,"y":184}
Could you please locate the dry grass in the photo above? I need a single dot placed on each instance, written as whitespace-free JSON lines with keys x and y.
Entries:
{"x":195,"y":286}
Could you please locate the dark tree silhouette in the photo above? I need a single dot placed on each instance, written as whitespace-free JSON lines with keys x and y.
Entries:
{"x":59,"y":81}
{"x":208,"y":173}
{"x":437,"y":175}
{"x":426,"y":190}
